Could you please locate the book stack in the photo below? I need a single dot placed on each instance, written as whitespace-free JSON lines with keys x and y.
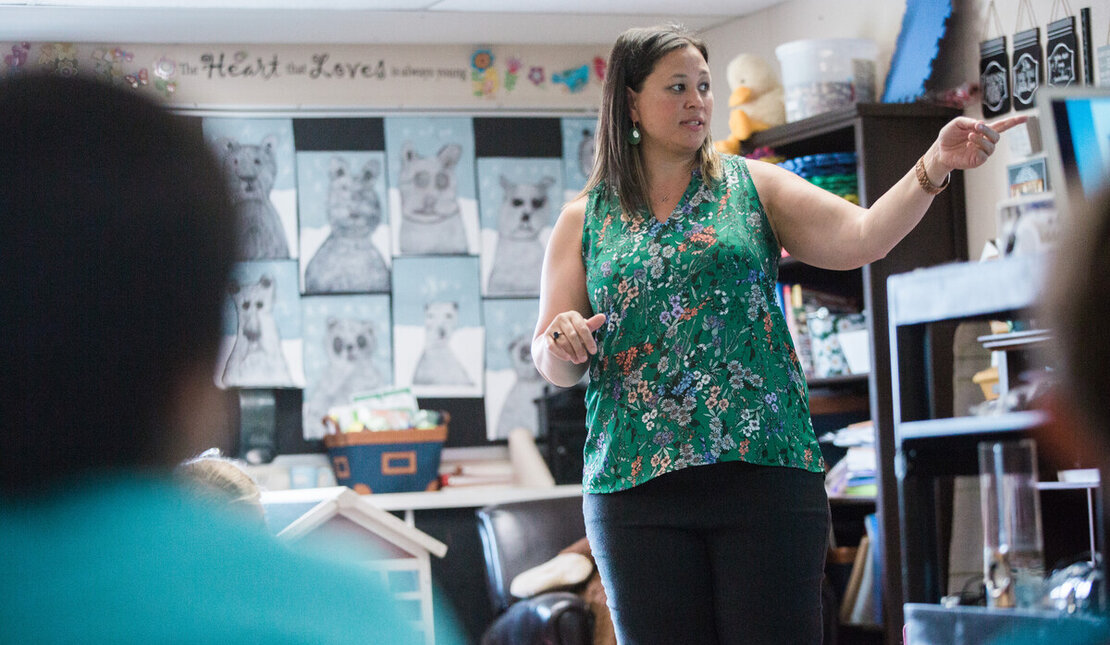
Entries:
{"x":821,"y":326}
{"x":862,"y":601}
{"x":854,"y":474}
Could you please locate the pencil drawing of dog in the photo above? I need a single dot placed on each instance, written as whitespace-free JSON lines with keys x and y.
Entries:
{"x":251,"y":171}
{"x":256,"y":357}
{"x":437,"y":364}
{"x":431,"y":221}
{"x":525,"y":210}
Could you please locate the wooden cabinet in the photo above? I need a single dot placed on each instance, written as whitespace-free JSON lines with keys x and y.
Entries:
{"x":887,"y":139}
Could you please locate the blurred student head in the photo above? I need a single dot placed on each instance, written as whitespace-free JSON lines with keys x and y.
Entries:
{"x":116,"y":238}
{"x":219,"y":481}
{"x":1076,"y":306}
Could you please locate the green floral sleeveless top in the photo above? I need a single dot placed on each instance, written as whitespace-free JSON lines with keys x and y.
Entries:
{"x":695,"y":364}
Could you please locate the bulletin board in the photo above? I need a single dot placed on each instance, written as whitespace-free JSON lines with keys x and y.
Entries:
{"x":392,"y":249}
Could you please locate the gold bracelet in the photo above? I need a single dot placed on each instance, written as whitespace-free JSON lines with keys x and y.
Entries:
{"x":923,"y":179}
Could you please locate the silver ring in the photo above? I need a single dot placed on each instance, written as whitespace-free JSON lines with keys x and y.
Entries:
{"x":555,"y":335}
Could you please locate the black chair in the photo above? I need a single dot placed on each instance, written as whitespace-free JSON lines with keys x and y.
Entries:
{"x":516,"y":537}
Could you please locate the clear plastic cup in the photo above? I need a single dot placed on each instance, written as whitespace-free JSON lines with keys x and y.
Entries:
{"x":1013,"y":548}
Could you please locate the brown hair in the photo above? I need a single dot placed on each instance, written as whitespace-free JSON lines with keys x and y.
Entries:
{"x":619,"y":163}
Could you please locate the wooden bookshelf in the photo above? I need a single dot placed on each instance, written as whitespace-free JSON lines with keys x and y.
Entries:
{"x":887,"y":140}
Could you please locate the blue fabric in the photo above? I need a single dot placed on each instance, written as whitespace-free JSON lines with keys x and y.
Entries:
{"x":133,"y":560}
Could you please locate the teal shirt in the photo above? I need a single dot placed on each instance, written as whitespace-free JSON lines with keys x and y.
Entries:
{"x":132,"y":560}
{"x":695,"y":362}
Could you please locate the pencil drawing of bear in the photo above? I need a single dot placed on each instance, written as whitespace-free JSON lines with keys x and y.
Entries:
{"x":437,"y":364}
{"x":350,"y":346}
{"x":431,"y":222}
{"x":519,"y":410}
{"x":348,"y":261}
{"x":525,"y":210}
{"x":256,"y":357}
{"x":251,"y":170}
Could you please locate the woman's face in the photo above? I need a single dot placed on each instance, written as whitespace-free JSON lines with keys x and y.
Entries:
{"x":675,"y":104}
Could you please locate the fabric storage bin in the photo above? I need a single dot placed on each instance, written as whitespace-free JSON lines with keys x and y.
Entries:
{"x":387,"y":461}
{"x":825,"y":74}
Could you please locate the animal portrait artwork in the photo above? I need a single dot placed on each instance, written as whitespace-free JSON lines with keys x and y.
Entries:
{"x":587,"y":152}
{"x":438,"y":334}
{"x":519,"y":409}
{"x":431,"y":217}
{"x":579,"y":151}
{"x":438,"y":364}
{"x":525,"y":210}
{"x":350,"y":346}
{"x":251,"y":170}
{"x":348,"y":261}
{"x":256,"y":357}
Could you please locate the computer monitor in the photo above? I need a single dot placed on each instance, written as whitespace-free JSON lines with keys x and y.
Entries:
{"x":1075,"y":132}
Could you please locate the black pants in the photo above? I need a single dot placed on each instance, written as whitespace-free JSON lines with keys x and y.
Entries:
{"x":725,"y":553}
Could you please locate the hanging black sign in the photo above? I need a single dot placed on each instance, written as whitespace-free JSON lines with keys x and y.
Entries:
{"x":1062,"y":49}
{"x":1028,"y":67}
{"x":994,"y":77}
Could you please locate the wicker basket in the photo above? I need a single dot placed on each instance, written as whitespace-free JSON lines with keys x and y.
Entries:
{"x":386,"y":461}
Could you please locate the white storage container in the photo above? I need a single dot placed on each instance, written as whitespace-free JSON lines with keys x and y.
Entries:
{"x":825,"y":74}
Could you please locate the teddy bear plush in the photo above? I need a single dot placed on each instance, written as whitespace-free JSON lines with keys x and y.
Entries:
{"x":756,"y":102}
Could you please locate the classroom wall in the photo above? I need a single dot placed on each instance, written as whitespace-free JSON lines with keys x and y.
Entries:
{"x":410,"y":86}
{"x":987,"y":185}
{"x":384,"y":78}
{"x":761,"y":32}
{"x":880,"y":20}
{"x":515,"y":79}
{"x":466,"y":116}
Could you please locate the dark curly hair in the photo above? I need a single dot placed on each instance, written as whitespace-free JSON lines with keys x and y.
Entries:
{"x":116,"y":241}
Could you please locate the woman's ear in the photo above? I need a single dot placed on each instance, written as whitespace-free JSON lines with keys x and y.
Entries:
{"x":633,"y":104}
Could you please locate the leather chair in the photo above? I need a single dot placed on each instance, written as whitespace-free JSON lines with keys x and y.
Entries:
{"x":516,"y":537}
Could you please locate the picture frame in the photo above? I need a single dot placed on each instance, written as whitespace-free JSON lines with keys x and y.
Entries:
{"x":1028,"y":176}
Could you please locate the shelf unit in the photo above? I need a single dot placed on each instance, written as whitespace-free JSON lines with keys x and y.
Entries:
{"x":976,"y":625}
{"x":888,"y":139}
{"x":933,"y":445}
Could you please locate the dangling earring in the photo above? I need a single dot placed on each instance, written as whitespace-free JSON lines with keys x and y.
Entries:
{"x":634,"y":134}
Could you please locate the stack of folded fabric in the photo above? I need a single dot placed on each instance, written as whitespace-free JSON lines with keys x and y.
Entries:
{"x":765,"y":153}
{"x":833,"y":171}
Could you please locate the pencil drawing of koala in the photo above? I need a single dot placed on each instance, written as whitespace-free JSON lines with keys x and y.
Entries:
{"x":431,"y":221}
{"x":256,"y":357}
{"x":251,"y":171}
{"x":525,"y":210}
{"x":348,"y":261}
{"x":350,"y":346}
{"x":519,"y":410}
{"x":437,"y":364}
